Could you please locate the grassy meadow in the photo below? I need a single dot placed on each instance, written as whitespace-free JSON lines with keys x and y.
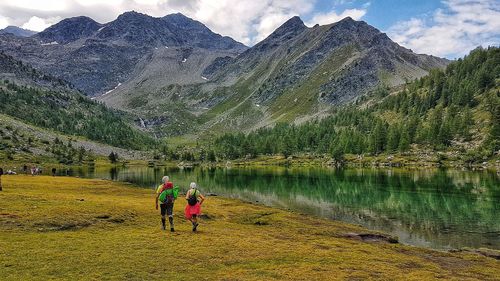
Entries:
{"x":78,"y":229}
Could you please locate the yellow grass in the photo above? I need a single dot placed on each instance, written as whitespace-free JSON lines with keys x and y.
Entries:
{"x":76,"y":229}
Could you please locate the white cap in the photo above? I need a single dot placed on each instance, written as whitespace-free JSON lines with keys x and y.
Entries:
{"x":165,"y":179}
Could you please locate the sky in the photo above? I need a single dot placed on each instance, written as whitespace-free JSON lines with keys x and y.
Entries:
{"x":446,"y":28}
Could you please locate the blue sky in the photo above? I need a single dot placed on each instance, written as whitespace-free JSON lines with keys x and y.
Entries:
{"x":384,"y":13}
{"x":446,"y":28}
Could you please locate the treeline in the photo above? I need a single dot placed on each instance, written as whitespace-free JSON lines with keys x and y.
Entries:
{"x":66,"y":153}
{"x":17,"y":145}
{"x":436,"y":111}
{"x":70,"y":113}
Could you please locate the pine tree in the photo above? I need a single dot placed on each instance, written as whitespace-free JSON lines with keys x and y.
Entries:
{"x":211,"y":156}
{"x":404,"y":141}
{"x":393,"y":138}
{"x":81,"y":154}
{"x":378,"y":138}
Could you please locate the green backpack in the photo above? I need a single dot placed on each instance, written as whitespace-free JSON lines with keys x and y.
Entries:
{"x":168,"y":195}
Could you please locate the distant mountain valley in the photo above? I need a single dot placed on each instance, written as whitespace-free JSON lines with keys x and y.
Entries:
{"x":180,"y":78}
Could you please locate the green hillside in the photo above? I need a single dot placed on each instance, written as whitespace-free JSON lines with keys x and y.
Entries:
{"x":50,"y":103}
{"x":297,"y":73}
{"x":456,"y":110}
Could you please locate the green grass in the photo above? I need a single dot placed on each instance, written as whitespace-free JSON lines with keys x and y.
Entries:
{"x":303,"y":100}
{"x":69,"y":228}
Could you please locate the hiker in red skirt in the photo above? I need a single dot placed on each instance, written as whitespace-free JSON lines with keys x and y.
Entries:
{"x":193,"y":208}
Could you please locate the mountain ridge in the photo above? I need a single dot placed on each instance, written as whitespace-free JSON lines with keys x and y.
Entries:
{"x":293,"y":74}
{"x":18,"y":31}
{"x":96,"y":57}
{"x":180,"y":78}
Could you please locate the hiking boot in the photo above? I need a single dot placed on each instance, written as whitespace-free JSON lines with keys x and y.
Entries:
{"x":195,"y":226}
{"x":172,"y":229}
{"x":163,"y":227}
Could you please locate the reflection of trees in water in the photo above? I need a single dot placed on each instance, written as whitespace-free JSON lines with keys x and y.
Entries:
{"x":429,"y":203}
{"x":444,"y":206}
{"x":113,"y":173}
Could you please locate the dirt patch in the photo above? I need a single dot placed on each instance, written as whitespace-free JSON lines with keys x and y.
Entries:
{"x":491,"y":253}
{"x":117,"y":220}
{"x":411,"y":265}
{"x":103,"y":217}
{"x":371,"y":237}
{"x":207,"y":217}
{"x":443,"y":260}
{"x":9,"y":216}
{"x":62,"y":226}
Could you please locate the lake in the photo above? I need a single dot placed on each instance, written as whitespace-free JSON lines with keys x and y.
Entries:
{"x":440,"y":209}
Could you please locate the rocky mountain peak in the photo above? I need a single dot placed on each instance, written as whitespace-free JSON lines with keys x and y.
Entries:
{"x":181,"y":21}
{"x":68,"y":30}
{"x":294,"y":25}
{"x":132,"y":16}
{"x":348,"y":20}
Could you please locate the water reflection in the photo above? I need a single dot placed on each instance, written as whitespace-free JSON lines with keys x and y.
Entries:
{"x":433,"y":208}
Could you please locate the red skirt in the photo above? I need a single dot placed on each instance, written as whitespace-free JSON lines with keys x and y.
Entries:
{"x":189,"y":211}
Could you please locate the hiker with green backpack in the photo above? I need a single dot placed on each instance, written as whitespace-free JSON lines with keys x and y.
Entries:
{"x":166,"y":193}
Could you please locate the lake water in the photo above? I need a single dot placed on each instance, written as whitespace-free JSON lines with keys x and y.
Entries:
{"x":441,"y":209}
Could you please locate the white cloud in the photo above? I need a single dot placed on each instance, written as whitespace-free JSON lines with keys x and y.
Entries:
{"x":247,"y":21}
{"x":451,"y":32}
{"x":4,"y":22}
{"x":39,"y":24}
{"x":333,"y":16}
{"x":45,"y":5}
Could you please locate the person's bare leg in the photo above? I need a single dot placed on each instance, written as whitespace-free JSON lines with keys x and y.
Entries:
{"x":194,"y":221}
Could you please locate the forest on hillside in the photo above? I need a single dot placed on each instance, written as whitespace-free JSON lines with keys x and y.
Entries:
{"x":457,"y":108}
{"x":70,"y":113}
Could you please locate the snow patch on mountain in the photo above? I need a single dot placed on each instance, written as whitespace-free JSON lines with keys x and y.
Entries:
{"x":51,"y":43}
{"x":119,"y":84}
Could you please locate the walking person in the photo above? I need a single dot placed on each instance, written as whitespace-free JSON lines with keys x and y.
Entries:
{"x":193,"y":208}
{"x":166,"y":194}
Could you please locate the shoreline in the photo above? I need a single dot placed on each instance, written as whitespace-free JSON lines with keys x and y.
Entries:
{"x":112,"y":219}
{"x":422,"y":158}
{"x":384,"y":234}
{"x":382,"y":161}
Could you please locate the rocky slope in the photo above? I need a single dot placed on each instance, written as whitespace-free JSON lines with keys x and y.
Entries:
{"x":295,"y":74}
{"x":97,"y":57}
{"x":180,"y":78}
{"x":330,"y":64}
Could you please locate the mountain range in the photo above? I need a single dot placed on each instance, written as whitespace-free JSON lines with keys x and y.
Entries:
{"x":96,"y":57}
{"x":17,"y":31}
{"x":180,"y":78}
